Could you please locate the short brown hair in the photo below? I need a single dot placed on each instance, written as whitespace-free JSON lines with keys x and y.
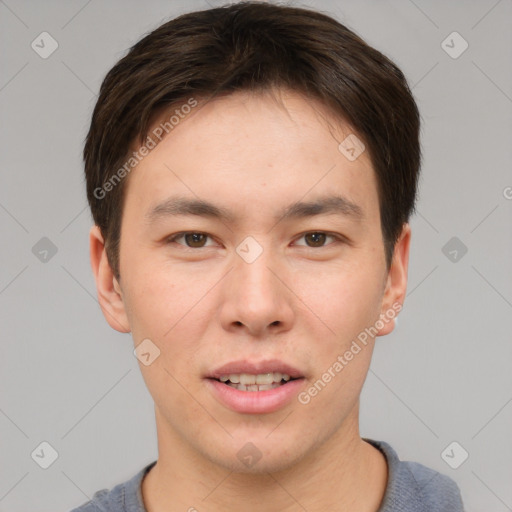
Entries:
{"x":256,"y":46}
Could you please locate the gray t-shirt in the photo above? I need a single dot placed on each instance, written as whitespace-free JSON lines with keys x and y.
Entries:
{"x":411,"y":487}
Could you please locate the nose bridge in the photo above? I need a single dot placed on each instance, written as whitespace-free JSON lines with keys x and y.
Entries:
{"x":252,"y":272}
{"x":256,"y":297}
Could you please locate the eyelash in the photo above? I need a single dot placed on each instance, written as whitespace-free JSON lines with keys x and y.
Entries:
{"x":175,"y":237}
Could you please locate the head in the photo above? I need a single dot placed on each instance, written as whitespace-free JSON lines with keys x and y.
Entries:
{"x":251,"y":170}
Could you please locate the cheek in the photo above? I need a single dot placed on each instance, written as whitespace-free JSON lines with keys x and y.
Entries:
{"x":168,"y":307}
{"x":330,"y":399}
{"x":335,"y":385}
{"x":156,"y":298}
{"x":344,"y":301}
{"x":169,"y":389}
{"x":152,"y":310}
{"x":348,"y":303}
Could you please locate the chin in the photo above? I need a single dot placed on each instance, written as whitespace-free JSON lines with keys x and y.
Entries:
{"x":270,"y":463}
{"x":259,"y":455}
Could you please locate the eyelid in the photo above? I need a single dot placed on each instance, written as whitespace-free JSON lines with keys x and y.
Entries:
{"x":337,"y":236}
{"x":172,"y":238}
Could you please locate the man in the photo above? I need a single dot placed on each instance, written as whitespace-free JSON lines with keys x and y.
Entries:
{"x":251,"y":171}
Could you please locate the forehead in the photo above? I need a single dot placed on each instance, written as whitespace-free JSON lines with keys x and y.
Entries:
{"x":266,"y":148}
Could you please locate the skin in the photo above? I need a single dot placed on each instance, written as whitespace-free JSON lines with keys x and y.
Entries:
{"x":204,"y":306}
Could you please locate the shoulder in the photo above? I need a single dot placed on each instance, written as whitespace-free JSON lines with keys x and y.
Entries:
{"x":124,"y":497}
{"x":102,"y":501}
{"x":413,"y":487}
{"x":437,"y":491}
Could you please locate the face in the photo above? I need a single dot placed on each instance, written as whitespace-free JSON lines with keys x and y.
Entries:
{"x":276,"y":278}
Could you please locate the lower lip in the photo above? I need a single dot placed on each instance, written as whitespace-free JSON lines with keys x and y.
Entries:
{"x":255,"y":402}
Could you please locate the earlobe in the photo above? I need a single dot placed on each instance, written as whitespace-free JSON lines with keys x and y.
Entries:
{"x":396,"y":284}
{"x":108,"y":289}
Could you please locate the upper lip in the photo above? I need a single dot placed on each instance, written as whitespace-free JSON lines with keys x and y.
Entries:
{"x":255,"y":368}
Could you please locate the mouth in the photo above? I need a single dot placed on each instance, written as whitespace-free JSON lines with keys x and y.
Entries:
{"x":255,"y":388}
{"x":260,"y":382}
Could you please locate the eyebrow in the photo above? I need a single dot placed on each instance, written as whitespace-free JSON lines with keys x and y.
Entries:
{"x":332,"y":204}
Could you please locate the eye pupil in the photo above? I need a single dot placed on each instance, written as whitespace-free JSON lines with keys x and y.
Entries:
{"x":194,"y":238}
{"x":318,"y":238}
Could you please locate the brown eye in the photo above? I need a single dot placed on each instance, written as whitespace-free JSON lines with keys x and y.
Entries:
{"x":321,"y":240}
{"x":317,"y":238}
{"x":195,"y":239}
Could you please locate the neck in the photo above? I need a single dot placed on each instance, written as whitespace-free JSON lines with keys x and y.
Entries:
{"x":344,"y":474}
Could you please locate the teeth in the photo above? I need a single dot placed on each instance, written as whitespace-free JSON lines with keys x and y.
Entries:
{"x":277,"y":377}
{"x":254,"y":387}
{"x":265,"y":378}
{"x":247,"y":379}
{"x":249,"y":382}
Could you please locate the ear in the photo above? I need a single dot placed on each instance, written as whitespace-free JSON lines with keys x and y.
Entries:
{"x":396,"y":283}
{"x":108,"y":289}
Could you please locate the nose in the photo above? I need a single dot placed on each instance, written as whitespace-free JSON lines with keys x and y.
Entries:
{"x":257,"y":298}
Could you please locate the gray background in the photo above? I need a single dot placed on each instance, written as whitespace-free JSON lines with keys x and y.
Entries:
{"x":68,"y":379}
